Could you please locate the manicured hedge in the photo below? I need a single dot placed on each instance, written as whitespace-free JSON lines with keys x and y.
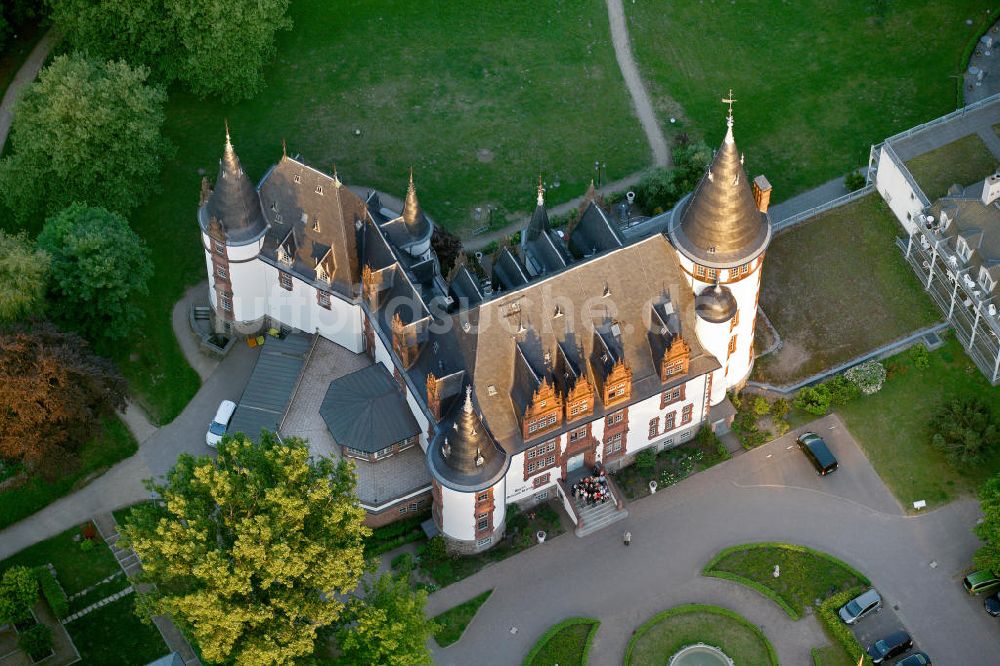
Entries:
{"x":690,"y":608}
{"x":556,"y":628}
{"x":766,"y":591}
{"x":53,"y":592}
{"x":835,"y":627}
{"x":396,"y":534}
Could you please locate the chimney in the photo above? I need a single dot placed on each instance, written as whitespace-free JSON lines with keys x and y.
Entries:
{"x":761,"y":192}
{"x":991,"y":188}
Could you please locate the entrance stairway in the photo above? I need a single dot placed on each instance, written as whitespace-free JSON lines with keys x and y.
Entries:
{"x":592,"y":517}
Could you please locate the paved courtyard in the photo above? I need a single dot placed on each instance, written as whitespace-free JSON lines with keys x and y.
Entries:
{"x":770,"y":493}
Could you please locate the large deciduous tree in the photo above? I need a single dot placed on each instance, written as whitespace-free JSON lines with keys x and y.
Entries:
{"x":98,"y":267}
{"x":251,"y":551}
{"x":988,"y":531}
{"x":85,"y":131}
{"x":23,"y":270}
{"x":386,"y":625}
{"x":964,"y":429}
{"x":216,"y":47}
{"x":18,"y":593}
{"x":53,"y":394}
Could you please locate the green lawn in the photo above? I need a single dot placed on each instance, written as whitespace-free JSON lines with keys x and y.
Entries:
{"x":112,"y":445}
{"x":114,"y":636}
{"x":892,"y":426}
{"x":816,"y":82}
{"x":804,"y":575}
{"x":831,"y":655}
{"x":667,"y":632}
{"x":565,"y":644}
{"x":836,"y":287}
{"x":478,"y":100}
{"x":965,"y":162}
{"x":452,"y":623}
{"x":76,"y":569}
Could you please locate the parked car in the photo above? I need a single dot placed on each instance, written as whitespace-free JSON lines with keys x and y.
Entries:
{"x":978,"y":582}
{"x":992,"y":605}
{"x":915,"y":659}
{"x":219,"y":424}
{"x":860,"y":606}
{"x":817,"y":452}
{"x":892,"y":645}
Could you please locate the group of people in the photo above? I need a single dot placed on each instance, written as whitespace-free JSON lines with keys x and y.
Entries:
{"x":592,"y":489}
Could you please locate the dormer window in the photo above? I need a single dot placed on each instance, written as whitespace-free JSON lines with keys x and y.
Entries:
{"x":315,"y":225}
{"x":963,"y":249}
{"x":985,"y":281}
{"x":319,"y":189}
{"x":297,"y":178}
{"x":284,"y":256}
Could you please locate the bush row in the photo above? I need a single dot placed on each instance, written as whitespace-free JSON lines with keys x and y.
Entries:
{"x":53,"y":592}
{"x":836,"y":629}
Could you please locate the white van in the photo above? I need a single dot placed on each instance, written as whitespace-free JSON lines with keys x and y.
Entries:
{"x":218,"y":427}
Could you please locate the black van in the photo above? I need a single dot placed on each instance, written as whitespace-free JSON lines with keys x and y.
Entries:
{"x":818,"y":453}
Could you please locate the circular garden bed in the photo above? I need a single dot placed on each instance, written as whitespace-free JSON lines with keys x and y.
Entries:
{"x":666,"y":633}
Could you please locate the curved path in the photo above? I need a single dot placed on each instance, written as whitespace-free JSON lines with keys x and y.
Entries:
{"x":24,"y":76}
{"x":768,"y":494}
{"x":158,"y":447}
{"x":636,"y":87}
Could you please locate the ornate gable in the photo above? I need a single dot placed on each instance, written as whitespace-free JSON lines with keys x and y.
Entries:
{"x":675,"y":359}
{"x":544,"y":412}
{"x":618,"y":384}
{"x":580,"y":399}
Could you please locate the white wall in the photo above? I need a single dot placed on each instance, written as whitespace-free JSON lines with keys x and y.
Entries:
{"x":904,"y":201}
{"x":458,"y":511}
{"x":739,"y":363}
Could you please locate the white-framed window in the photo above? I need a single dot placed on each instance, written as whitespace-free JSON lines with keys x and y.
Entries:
{"x":962,"y":248}
{"x":407,"y":443}
{"x":402,"y":509}
{"x":541,"y":463}
{"x":323,"y":298}
{"x":220,"y":248}
{"x":356,"y":453}
{"x":578,"y":434}
{"x":985,"y":281}
{"x":578,"y":408}
{"x":297,"y":178}
{"x":541,"y":449}
{"x":616,"y":391}
{"x":484,"y":542}
{"x":542,"y":423}
{"x":482,"y":522}
{"x":542,"y":496}
{"x":227,"y":303}
{"x":319,"y":189}
{"x":285,"y":280}
{"x":220,"y":271}
{"x":615,"y":418}
{"x":382,"y":453}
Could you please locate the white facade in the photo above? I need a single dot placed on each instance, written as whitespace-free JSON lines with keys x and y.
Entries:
{"x":458,"y":512}
{"x":898,"y":189}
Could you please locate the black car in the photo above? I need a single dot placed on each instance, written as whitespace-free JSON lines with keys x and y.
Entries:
{"x":892,"y":645}
{"x":992,"y":605}
{"x":915,"y":659}
{"x":817,"y":452}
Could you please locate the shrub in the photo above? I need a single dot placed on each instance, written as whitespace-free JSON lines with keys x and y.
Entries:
{"x":18,"y":593}
{"x":813,"y":399}
{"x":869,"y":376}
{"x":36,"y":641}
{"x":964,"y":429}
{"x":711,"y":445}
{"x":920,"y":357}
{"x":402,"y":564}
{"x":854,"y":180}
{"x":86,"y":545}
{"x":760,"y":406}
{"x":645,"y":461}
{"x":842,"y":390}
{"x":836,"y":629}
{"x":52,"y":591}
{"x":435,"y":550}
{"x":780,"y":408}
{"x":88,"y":530}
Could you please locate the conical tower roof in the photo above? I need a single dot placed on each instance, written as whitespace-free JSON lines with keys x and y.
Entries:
{"x":464,"y":456}
{"x":413,"y":217}
{"x":539,"y":223}
{"x":234,"y":201}
{"x":720,"y":224}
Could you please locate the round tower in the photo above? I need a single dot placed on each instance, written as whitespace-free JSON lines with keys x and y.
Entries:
{"x":469,"y":469}
{"x":721,"y":232}
{"x":232,"y":233}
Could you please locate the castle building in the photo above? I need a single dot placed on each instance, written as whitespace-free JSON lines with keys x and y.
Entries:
{"x":518,"y":373}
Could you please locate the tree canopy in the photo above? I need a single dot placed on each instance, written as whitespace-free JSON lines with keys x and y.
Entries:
{"x":84,"y":131}
{"x":964,"y":429}
{"x":53,"y":393}
{"x":387,"y":625}
{"x":98,"y":266}
{"x":988,"y":531}
{"x":23,"y":271}
{"x":216,"y":47}
{"x":18,"y":593}
{"x":251,"y":551}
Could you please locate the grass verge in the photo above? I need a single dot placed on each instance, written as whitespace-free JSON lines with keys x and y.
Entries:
{"x":964,"y":161}
{"x":451,"y":624}
{"x":854,"y":294}
{"x":114,"y":636}
{"x":564,"y":644}
{"x":831,"y":655}
{"x":805,"y":574}
{"x":846,"y":91}
{"x":667,"y":632}
{"x":113,"y":444}
{"x":892,"y":426}
{"x":76,"y":569}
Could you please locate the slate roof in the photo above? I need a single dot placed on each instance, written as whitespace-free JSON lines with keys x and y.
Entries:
{"x":271,"y":384}
{"x":387,"y":480}
{"x":365,"y":410}
{"x":464,"y":455}
{"x":310,"y":218}
{"x":719,"y":224}
{"x":979,"y":225}
{"x":233,"y":202}
{"x":634,"y":277}
{"x":594,"y":232}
